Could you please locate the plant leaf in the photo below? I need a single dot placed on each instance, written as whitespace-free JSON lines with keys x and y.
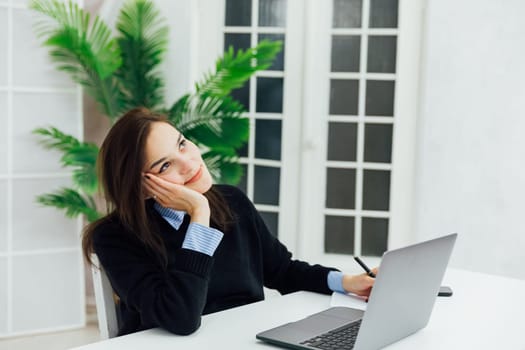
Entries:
{"x":71,"y":202}
{"x":143,"y":41}
{"x":84,"y":159}
{"x":82,"y":156}
{"x":223,"y":169}
{"x":211,"y":121}
{"x":56,"y":139}
{"x":233,"y":69}
{"x":82,"y":48}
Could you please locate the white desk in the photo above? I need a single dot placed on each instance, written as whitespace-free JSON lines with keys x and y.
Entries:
{"x":486,"y":312}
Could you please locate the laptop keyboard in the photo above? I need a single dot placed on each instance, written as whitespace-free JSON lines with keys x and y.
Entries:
{"x":340,"y":338}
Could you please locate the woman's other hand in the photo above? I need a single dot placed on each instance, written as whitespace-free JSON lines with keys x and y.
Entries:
{"x":359,"y":284}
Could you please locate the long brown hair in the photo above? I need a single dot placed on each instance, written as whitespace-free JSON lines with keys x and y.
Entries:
{"x":120,"y":163}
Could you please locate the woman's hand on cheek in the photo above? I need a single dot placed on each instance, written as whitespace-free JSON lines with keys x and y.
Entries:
{"x":178,"y":197}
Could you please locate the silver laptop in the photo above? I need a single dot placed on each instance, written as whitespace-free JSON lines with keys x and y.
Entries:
{"x":400,"y":304}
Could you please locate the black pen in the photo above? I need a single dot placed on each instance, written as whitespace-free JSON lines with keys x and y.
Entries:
{"x":363,"y":265}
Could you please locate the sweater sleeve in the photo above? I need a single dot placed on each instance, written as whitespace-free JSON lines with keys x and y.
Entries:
{"x":171,"y":297}
{"x":280,"y":271}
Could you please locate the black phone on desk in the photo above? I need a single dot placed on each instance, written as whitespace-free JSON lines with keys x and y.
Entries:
{"x":445,"y":291}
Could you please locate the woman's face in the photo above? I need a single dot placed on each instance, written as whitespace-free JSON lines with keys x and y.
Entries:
{"x":170,"y":156}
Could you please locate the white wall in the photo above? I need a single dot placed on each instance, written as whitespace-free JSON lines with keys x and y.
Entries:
{"x":470,"y":167}
{"x":41,"y":284}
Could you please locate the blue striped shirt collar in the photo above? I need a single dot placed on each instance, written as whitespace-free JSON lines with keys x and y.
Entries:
{"x":172,"y":216}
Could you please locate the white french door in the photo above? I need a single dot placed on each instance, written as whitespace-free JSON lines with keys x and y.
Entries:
{"x":359,"y":110}
{"x":330,"y":158}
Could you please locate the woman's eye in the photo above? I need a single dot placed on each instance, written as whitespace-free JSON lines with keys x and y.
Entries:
{"x":164,"y":167}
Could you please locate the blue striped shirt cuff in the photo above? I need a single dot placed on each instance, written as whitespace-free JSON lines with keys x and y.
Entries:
{"x":202,"y":239}
{"x":335,"y":281}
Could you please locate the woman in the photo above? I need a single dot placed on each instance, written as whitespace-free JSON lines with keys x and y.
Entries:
{"x":176,"y":247}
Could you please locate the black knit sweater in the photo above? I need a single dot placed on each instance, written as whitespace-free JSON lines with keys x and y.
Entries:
{"x":192,"y":284}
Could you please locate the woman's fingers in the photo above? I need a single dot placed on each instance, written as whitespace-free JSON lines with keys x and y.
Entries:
{"x":161,"y":187}
{"x":157,"y":182}
{"x":149,"y":190}
{"x":158,"y":193}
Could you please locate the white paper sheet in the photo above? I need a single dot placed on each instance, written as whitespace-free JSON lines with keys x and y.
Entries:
{"x":348,"y":300}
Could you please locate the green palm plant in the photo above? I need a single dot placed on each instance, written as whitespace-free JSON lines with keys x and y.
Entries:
{"x":121,"y":73}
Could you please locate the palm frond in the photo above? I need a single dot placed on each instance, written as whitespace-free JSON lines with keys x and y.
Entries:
{"x":71,"y":202}
{"x":56,"y":139}
{"x":223,"y":169}
{"x":180,"y":109}
{"x":143,"y":41}
{"x":82,"y":156}
{"x":82,"y":48}
{"x":233,"y":69}
{"x":214,"y":122}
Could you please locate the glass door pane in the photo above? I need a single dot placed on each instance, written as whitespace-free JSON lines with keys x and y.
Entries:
{"x":360,"y":126}
{"x":247,"y":23}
